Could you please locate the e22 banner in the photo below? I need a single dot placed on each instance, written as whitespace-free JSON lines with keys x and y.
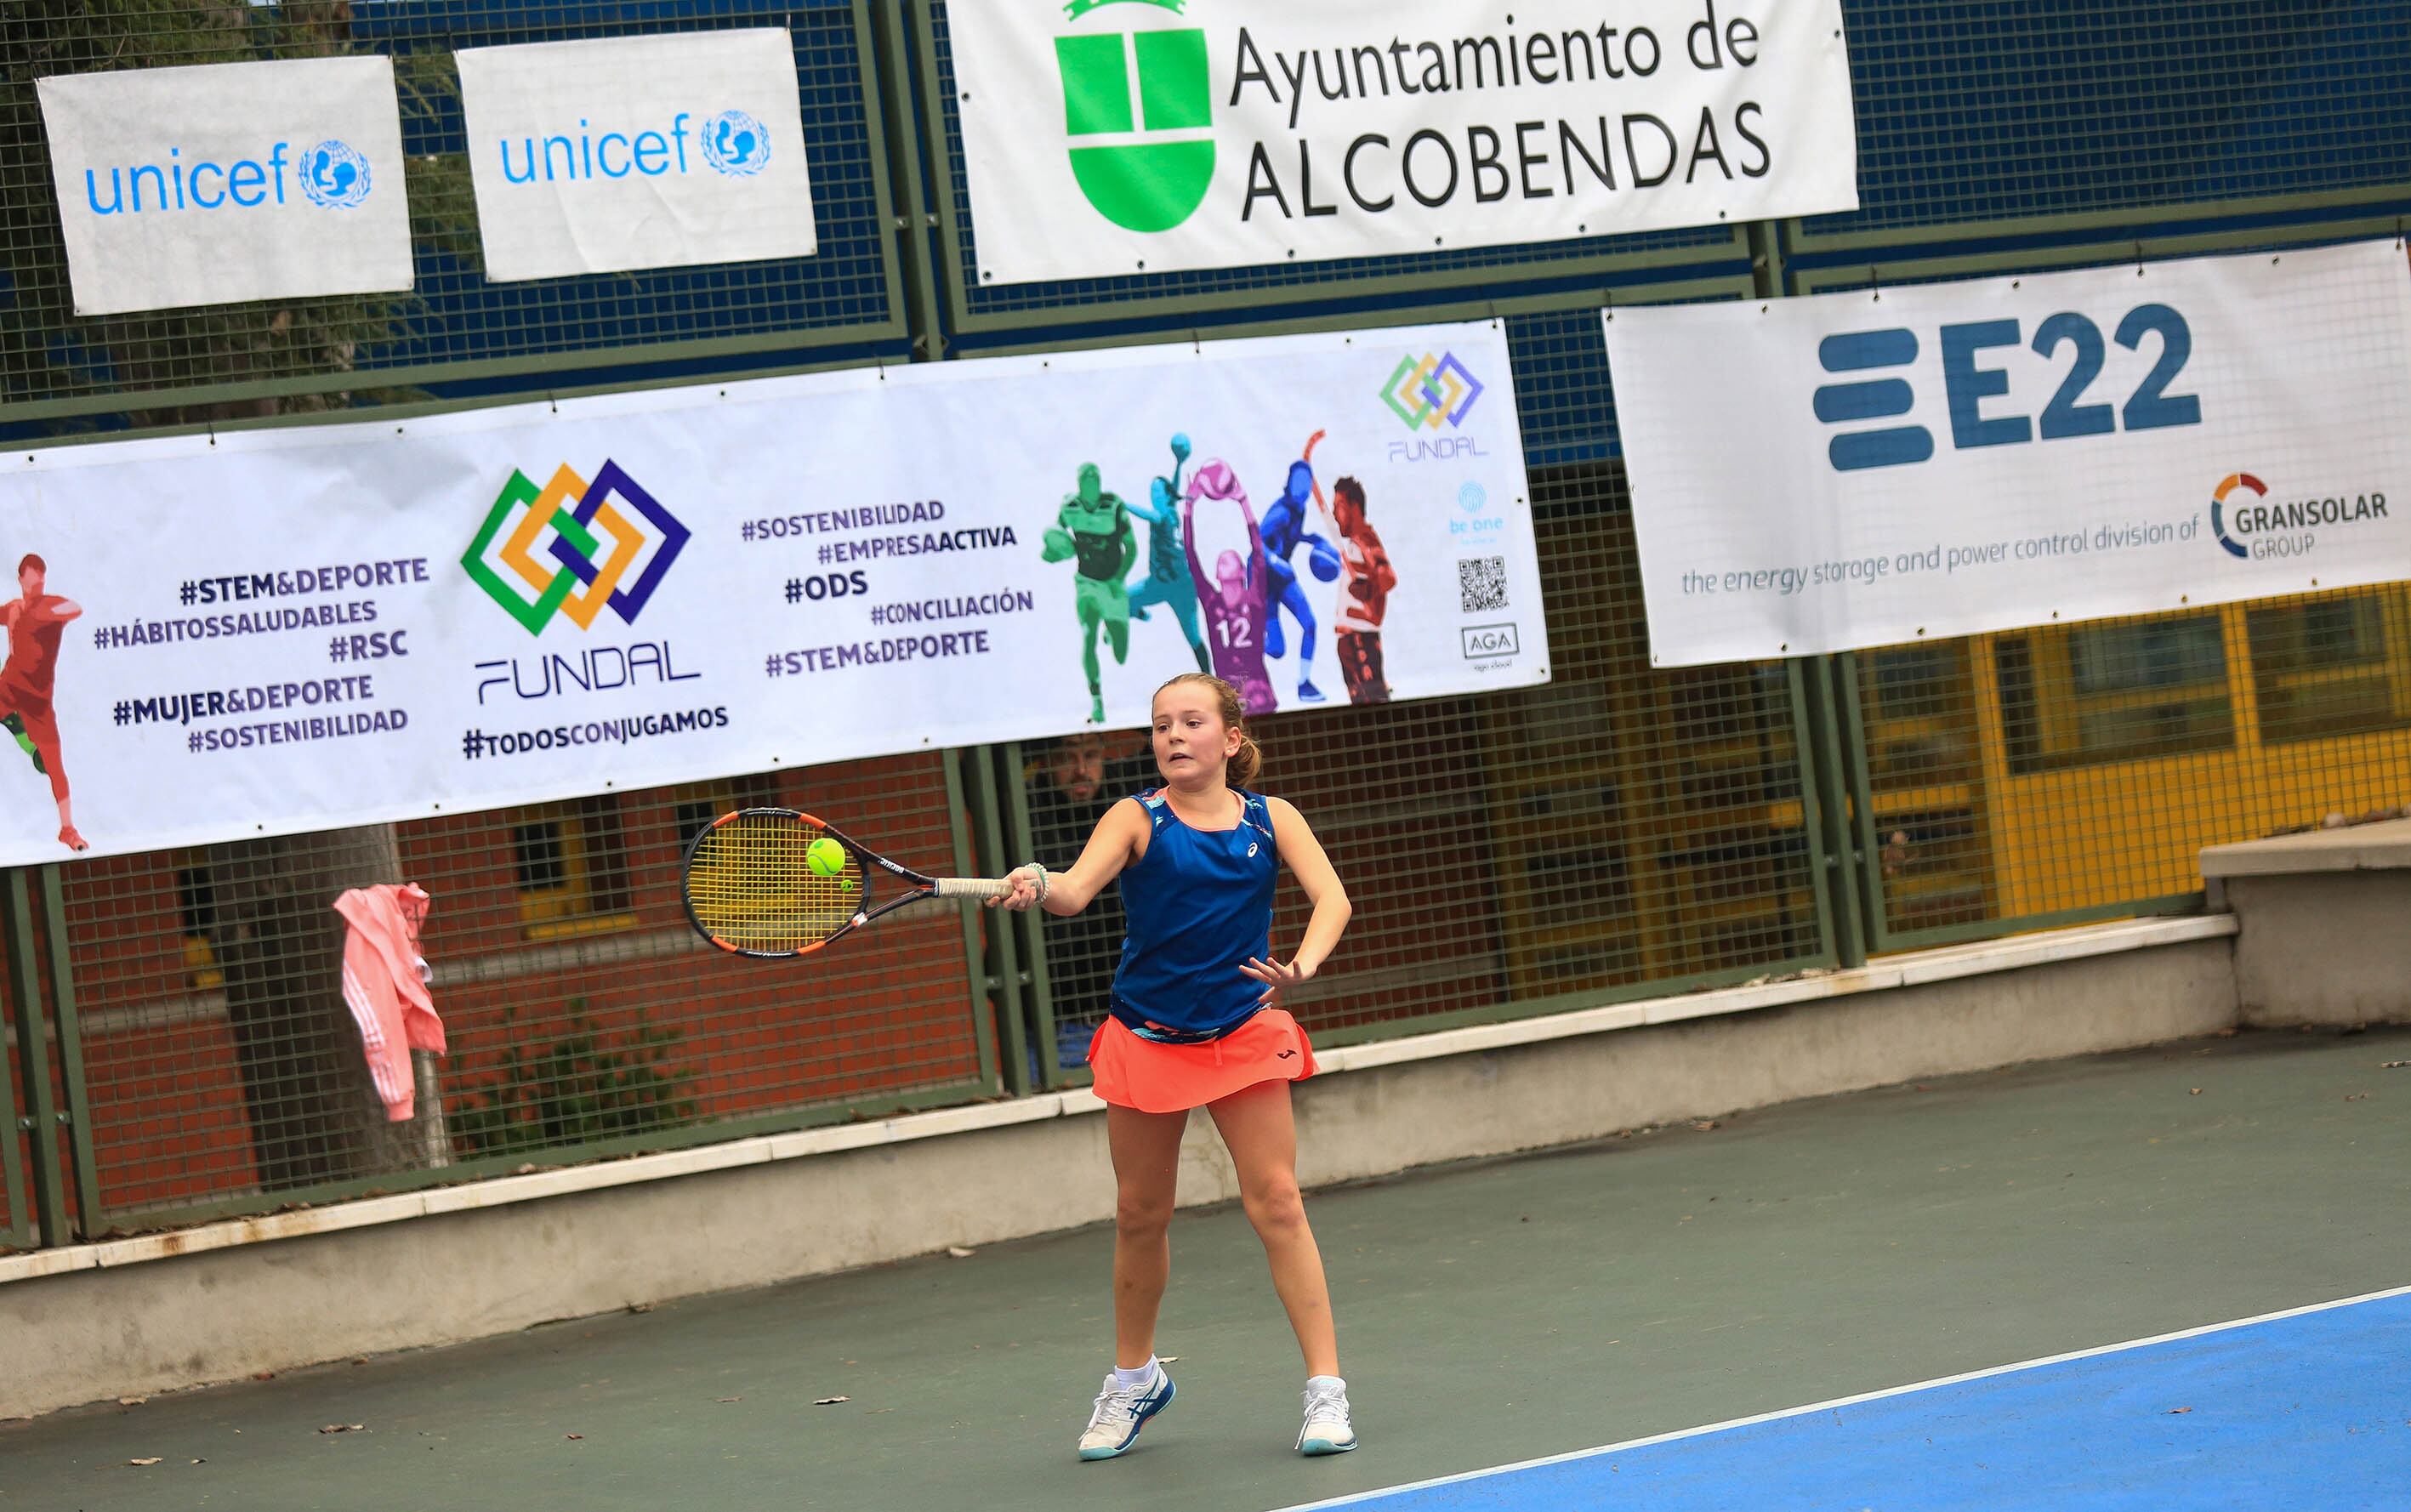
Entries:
{"x":1852,"y":470}
{"x":275,"y":631}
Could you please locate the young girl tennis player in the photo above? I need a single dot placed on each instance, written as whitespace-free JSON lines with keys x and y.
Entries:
{"x":1196,"y":1024}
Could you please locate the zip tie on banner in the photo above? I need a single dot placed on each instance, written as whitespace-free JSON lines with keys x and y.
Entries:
{"x":1608,"y":296}
{"x":2139,"y":259}
{"x":551,"y":399}
{"x":1874,"y":283}
{"x":1196,"y":347}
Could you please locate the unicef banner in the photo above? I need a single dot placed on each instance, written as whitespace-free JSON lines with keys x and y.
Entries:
{"x":290,"y":630}
{"x":648,"y":152}
{"x":238,"y":180}
{"x":1111,"y":137}
{"x":1816,"y":475}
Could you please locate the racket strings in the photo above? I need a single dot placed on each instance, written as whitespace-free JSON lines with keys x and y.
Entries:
{"x":752,"y":885}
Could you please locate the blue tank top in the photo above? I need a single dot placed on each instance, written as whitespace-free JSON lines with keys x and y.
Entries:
{"x":1200,"y":903}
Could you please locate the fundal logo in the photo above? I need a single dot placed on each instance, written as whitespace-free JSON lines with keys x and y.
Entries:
{"x":332,"y":175}
{"x":1145,"y":163}
{"x":573,"y":520}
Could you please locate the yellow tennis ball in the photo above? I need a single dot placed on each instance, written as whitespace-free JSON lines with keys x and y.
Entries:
{"x":825,"y":857}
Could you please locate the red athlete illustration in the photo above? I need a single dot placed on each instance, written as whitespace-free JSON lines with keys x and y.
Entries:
{"x":34,"y":622}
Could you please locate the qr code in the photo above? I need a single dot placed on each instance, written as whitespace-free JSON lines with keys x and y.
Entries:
{"x":1481,"y":584}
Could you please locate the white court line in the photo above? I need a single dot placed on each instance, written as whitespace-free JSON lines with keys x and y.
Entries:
{"x":1359,"y":1498}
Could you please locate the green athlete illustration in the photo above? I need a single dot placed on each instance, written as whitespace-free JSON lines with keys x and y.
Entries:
{"x":1167,"y":563}
{"x":1094,"y":527}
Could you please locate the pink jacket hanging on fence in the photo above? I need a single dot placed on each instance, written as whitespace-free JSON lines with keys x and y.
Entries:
{"x":385,"y":983}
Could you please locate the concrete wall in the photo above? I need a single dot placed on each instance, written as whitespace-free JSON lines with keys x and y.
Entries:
{"x":2323,"y":947}
{"x":181,"y":1317}
{"x":2324,"y":924}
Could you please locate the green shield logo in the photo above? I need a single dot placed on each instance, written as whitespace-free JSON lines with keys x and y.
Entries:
{"x":1138,"y":185}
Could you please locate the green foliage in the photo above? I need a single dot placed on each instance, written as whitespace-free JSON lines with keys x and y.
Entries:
{"x":572,"y":1089}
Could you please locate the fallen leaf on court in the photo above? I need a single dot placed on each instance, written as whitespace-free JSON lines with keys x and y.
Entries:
{"x":2193,"y":1092}
{"x":573,"y":1435}
{"x":2175,"y":1410}
{"x":131,"y":1401}
{"x":2392,"y":1065}
{"x":1703,"y":1125}
{"x":263,"y":1375}
{"x":728,"y":1399}
{"x":342,"y":1428}
{"x":960,"y":1253}
{"x":200,"y":1461}
{"x":2354,"y":1096}
{"x":640,"y":1307}
{"x":154,"y":1459}
{"x":829,"y":1401}
{"x":1167,"y":1360}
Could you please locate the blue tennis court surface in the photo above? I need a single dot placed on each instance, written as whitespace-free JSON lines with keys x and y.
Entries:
{"x":2302,"y":1411}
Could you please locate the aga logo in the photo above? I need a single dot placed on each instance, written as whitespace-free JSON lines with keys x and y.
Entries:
{"x":1482,"y":643}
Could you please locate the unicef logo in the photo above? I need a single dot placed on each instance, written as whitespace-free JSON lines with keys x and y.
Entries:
{"x":736,"y":144}
{"x":334,"y":176}
{"x":1472,"y":497}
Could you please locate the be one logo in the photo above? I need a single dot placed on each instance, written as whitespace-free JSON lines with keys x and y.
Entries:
{"x":1144,"y":163}
{"x":733,"y":144}
{"x":1423,"y":392}
{"x":1976,"y":388}
{"x":557,"y":552}
{"x":333,"y":175}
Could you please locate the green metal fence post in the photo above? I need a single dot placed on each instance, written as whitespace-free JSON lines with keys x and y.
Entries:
{"x":42,"y":1116}
{"x":70,"y":1040}
{"x":16,"y":1219}
{"x":1004,"y":955}
{"x":916,"y":224}
{"x":1843,"y":859}
{"x":974,"y":962}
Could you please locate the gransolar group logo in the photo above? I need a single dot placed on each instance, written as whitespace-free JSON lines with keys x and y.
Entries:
{"x":1425,"y":391}
{"x":573,"y":548}
{"x":1145,"y":163}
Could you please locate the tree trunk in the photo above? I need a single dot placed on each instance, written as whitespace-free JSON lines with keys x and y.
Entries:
{"x":313,"y":1112}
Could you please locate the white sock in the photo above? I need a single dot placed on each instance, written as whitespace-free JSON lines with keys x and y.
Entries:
{"x":1140,"y":1377}
{"x":1332,"y":1381}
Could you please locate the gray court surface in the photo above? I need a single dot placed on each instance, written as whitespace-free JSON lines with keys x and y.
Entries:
{"x":1489,"y":1313}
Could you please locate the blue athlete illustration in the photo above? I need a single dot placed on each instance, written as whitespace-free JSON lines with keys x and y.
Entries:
{"x":1167,"y":570}
{"x":1284,"y":529}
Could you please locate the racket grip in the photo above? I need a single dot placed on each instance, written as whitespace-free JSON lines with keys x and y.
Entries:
{"x":973,"y":887}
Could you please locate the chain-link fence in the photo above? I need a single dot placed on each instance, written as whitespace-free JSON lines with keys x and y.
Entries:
{"x":223,"y":1069}
{"x":1619,"y":831}
{"x":282,"y":357}
{"x":179,"y":1042}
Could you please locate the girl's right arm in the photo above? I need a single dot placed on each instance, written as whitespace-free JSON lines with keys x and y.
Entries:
{"x":1114,"y":846}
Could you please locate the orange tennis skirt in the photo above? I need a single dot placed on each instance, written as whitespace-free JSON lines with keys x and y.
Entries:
{"x":1158,"y":1078}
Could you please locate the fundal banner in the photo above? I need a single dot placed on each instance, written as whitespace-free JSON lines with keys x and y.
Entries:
{"x":277,"y":630}
{"x":1112,"y":136}
{"x":1846,"y":471}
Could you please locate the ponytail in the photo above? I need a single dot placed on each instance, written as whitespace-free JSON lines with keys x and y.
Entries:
{"x":1245,"y":762}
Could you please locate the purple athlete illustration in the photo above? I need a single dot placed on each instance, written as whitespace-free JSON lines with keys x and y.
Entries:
{"x":1235,"y":597}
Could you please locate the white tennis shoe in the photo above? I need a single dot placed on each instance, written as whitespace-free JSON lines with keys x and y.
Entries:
{"x":1327,"y":1429}
{"x":1121,"y":1412}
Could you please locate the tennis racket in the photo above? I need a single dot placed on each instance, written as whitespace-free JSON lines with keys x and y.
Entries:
{"x":750,"y":889}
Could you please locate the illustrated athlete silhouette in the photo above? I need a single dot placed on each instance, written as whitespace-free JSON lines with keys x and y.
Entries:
{"x":35,"y":621}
